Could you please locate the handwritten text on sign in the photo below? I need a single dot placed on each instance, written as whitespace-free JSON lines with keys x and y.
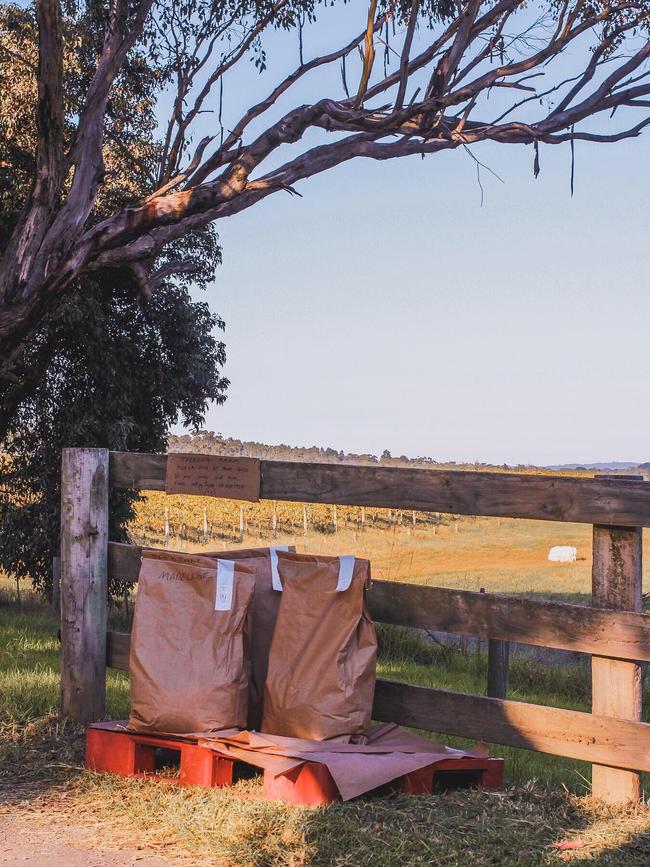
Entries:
{"x":213,"y":476}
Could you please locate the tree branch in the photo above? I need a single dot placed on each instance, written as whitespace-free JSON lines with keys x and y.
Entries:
{"x":406,"y":51}
{"x":68,"y":239}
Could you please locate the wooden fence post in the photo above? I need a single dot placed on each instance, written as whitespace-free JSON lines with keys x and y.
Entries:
{"x":84,"y":564}
{"x":498,"y":664}
{"x":616,"y":685}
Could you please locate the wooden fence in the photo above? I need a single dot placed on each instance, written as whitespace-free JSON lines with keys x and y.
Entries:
{"x":613,"y":630}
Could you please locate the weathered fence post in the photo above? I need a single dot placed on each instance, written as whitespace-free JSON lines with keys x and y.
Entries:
{"x":498,"y":664}
{"x":84,"y":560}
{"x":616,"y":685}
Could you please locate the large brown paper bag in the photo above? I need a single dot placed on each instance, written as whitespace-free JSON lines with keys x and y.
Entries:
{"x":321,"y":675}
{"x":190,"y":655}
{"x":266,"y":602}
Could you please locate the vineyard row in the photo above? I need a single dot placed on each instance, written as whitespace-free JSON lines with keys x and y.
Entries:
{"x":203,"y":518}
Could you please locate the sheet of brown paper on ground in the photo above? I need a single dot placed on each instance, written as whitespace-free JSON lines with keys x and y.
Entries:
{"x":213,"y":476}
{"x":265,"y":605}
{"x":189,"y":663}
{"x":321,"y":675}
{"x":389,"y":753}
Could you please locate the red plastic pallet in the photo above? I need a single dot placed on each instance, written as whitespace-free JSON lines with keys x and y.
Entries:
{"x":110,"y":748}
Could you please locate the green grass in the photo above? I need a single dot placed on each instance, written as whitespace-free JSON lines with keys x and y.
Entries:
{"x":29,"y":684}
{"x":40,"y":756}
{"x":29,"y":669}
{"x":406,"y":656}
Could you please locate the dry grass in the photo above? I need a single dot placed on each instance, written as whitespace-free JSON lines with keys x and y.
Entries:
{"x":501,"y":555}
{"x":519,"y":825}
{"x":42,"y":781}
{"x":535,"y":821}
{"x":529,"y":824}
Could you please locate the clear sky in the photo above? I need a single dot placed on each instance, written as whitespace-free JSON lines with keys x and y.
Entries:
{"x":388,"y":309}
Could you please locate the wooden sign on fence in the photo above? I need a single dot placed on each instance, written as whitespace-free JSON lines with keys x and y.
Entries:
{"x":213,"y":476}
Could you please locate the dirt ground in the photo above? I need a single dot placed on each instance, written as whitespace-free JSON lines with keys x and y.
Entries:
{"x":35,"y":839}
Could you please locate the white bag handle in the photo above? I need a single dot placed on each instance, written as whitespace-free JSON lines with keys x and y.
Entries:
{"x":225,"y":582}
{"x":346,"y":568}
{"x":275,"y":575}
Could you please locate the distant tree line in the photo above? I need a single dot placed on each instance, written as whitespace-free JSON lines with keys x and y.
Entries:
{"x":210,"y":442}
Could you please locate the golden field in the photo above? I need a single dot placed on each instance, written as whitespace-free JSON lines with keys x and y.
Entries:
{"x":500,"y":555}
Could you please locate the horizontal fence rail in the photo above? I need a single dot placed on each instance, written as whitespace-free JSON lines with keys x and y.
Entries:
{"x":617,"y":634}
{"x":569,"y":733}
{"x":614,"y":502}
{"x":573,"y":734}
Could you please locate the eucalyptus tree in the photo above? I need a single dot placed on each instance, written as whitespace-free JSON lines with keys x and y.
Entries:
{"x":100,"y":368}
{"x":416,"y":79}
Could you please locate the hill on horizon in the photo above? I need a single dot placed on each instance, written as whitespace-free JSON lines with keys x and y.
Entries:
{"x":209,"y":442}
{"x":605,"y":465}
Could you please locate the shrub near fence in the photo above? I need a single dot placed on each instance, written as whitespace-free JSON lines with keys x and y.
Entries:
{"x":613,"y":631}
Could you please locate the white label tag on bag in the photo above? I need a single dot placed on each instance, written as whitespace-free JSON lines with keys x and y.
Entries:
{"x":225,"y":582}
{"x":275,"y":575}
{"x":346,"y":568}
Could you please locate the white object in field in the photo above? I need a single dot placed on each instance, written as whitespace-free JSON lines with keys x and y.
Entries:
{"x":563,"y":554}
